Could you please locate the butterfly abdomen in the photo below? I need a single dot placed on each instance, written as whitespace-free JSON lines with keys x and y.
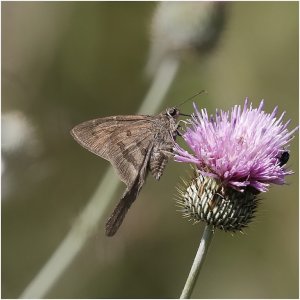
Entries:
{"x":157,"y":164}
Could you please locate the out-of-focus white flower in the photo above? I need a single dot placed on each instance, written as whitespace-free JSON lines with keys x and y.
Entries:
{"x":181,"y":26}
{"x":19,"y":142}
{"x":17,"y":133}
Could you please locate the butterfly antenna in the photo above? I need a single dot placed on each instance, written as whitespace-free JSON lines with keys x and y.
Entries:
{"x":197,"y":94}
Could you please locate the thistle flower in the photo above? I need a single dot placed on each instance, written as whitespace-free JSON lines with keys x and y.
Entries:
{"x":238,"y":154}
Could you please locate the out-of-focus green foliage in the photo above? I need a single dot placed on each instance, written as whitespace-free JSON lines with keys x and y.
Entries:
{"x":63,"y":63}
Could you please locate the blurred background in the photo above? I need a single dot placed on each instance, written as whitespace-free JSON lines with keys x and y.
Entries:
{"x":64,"y":63}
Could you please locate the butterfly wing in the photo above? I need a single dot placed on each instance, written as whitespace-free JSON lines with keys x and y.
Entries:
{"x":129,"y":196}
{"x":127,"y":142}
{"x":122,"y":140}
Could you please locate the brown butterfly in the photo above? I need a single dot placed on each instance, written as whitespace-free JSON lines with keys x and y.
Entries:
{"x":134,"y":145}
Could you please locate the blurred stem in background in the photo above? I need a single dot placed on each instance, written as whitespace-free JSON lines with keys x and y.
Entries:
{"x":177,"y":28}
{"x":95,"y":210}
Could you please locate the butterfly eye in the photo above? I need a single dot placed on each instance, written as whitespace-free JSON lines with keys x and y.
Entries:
{"x":172,"y":112}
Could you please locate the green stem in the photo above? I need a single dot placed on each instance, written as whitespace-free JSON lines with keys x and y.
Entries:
{"x":198,"y":262}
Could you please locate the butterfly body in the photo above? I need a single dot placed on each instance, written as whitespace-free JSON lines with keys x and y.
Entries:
{"x":134,"y":145}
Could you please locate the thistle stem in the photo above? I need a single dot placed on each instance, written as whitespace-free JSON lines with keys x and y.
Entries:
{"x":87,"y":221}
{"x":198,"y":262}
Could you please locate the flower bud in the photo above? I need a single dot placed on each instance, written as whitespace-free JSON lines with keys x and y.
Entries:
{"x":178,"y":27}
{"x":205,"y":199}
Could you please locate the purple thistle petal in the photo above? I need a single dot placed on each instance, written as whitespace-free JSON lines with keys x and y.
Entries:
{"x":241,"y":147}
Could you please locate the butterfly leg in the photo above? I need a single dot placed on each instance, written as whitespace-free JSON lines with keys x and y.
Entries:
{"x":168,"y":154}
{"x":178,"y":128}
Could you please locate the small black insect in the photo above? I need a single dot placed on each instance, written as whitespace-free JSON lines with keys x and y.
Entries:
{"x":284,"y":157}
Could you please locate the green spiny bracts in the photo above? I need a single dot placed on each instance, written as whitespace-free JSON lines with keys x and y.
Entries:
{"x":205,"y":199}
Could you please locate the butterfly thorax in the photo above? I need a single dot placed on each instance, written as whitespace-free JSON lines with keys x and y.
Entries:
{"x":166,"y":132}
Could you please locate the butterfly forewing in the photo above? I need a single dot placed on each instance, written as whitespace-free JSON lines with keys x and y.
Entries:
{"x":122,"y":140}
{"x":94,"y":134}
